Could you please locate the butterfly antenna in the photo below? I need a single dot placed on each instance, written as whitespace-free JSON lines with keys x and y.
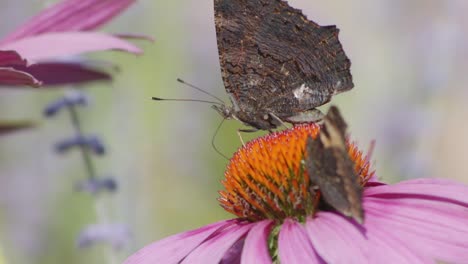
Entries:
{"x":213,"y":140}
{"x":200,"y":90}
{"x":185,"y":100}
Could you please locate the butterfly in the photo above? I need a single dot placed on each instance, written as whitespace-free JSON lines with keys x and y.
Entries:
{"x":331,"y":170}
{"x":277,"y":66}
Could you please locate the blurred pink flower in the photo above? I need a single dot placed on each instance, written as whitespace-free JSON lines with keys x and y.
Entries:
{"x":415,"y":221}
{"x":61,"y":30}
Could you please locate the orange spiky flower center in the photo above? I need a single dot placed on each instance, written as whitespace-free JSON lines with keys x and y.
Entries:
{"x":267,"y":179}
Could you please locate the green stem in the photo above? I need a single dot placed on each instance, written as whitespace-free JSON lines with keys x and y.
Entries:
{"x":84,"y":150}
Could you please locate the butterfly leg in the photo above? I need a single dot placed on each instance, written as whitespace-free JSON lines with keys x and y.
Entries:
{"x":278,"y":120}
{"x":245,"y":131}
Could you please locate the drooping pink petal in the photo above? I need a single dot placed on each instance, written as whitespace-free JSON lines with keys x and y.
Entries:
{"x":61,"y":73}
{"x":373,"y":181}
{"x":7,"y":127}
{"x":294,"y":245}
{"x":429,"y":189}
{"x":11,"y":58}
{"x":256,"y":244}
{"x":52,"y":45}
{"x":435,"y":229}
{"x":233,"y":254}
{"x":214,"y":249}
{"x":337,"y":239}
{"x":134,"y":36}
{"x":430,"y":212}
{"x":175,"y":248}
{"x":10,"y":76}
{"x":71,"y":15}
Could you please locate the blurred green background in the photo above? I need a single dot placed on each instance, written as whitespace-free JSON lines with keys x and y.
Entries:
{"x":409,"y":62}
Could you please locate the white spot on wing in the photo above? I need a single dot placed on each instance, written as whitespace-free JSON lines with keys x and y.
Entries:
{"x":302,"y":91}
{"x":338,"y":84}
{"x":337,"y":87}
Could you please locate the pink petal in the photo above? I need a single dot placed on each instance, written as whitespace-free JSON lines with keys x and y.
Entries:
{"x":10,"y":76}
{"x":60,"y":73}
{"x":373,"y":182}
{"x":214,"y":249}
{"x":174,"y":248}
{"x":423,"y":211}
{"x":71,"y":15}
{"x":386,"y":246}
{"x":294,"y":245}
{"x":134,"y":37}
{"x":338,"y":239}
{"x":431,"y":228}
{"x":256,"y":244}
{"x":53,"y":45}
{"x":429,"y":189}
{"x":11,"y":58}
{"x":437,"y":181}
{"x":233,"y":254}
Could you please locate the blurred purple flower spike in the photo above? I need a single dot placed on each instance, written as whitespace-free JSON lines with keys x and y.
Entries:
{"x":117,"y":235}
{"x":72,"y":98}
{"x":61,"y":30}
{"x":97,"y":185}
{"x":92,"y":143}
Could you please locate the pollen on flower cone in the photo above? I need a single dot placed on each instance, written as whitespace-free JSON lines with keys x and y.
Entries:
{"x":266,"y":178}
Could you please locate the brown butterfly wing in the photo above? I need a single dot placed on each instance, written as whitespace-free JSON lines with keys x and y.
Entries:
{"x":273,"y":58}
{"x":330,"y":167}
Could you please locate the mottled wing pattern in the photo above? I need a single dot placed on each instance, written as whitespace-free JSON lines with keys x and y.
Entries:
{"x":273,"y":58}
{"x":331,"y":169}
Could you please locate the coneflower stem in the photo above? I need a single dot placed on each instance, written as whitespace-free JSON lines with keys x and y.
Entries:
{"x":84,"y":149}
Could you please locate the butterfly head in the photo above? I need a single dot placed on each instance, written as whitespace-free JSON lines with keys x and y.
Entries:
{"x":256,"y":120}
{"x":225,"y":111}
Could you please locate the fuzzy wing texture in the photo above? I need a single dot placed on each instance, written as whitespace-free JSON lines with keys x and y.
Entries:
{"x":273,"y":58}
{"x":330,"y":167}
